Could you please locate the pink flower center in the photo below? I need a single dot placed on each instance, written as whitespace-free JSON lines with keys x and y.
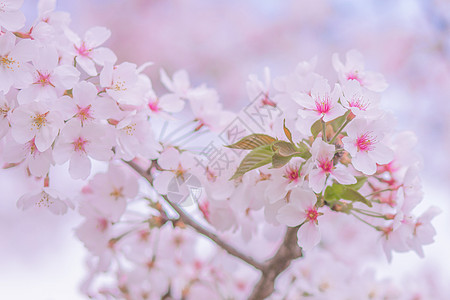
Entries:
{"x":323,"y":105}
{"x":312,"y":214}
{"x":292,"y":173}
{"x":79,"y":144}
{"x":354,"y":76}
{"x":82,"y":50}
{"x":358,"y":102}
{"x":366,"y":142}
{"x":154,"y":106}
{"x":84,"y":113}
{"x":325,"y":165}
{"x":266,"y":101}
{"x":43,"y":79}
{"x":102,"y":224}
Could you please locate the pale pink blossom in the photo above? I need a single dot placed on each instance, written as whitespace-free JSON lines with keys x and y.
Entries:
{"x":6,"y":107}
{"x":322,"y":155}
{"x":87,"y":52}
{"x":135,"y":136}
{"x":11,"y":17}
{"x":353,"y":69}
{"x":50,"y":80}
{"x":320,"y":104}
{"x":14,"y":58}
{"x":78,"y":144}
{"x":86,"y":107}
{"x":124,"y":84}
{"x":301,"y":209}
{"x":111,"y":192}
{"x":360,"y":101}
{"x":366,"y":146}
{"x":46,"y":198}
{"x":423,"y":232}
{"x":36,"y":120}
{"x":36,"y":161}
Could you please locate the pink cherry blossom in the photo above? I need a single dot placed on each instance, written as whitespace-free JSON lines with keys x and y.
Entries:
{"x":135,"y":136}
{"x":87,"y":52}
{"x":353,"y":69}
{"x":36,"y":161}
{"x":359,"y":101}
{"x":36,"y":120}
{"x":6,"y":107}
{"x":50,"y":80}
{"x":365,"y":144}
{"x":78,"y":144}
{"x":322,"y":154}
{"x":124,"y":84}
{"x":301,"y":209}
{"x":111,"y":191}
{"x":11,"y":17}
{"x":321,"y":103}
{"x":46,"y":198}
{"x":14,"y":69}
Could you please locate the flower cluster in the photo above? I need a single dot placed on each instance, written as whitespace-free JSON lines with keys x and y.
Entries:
{"x":324,"y":154}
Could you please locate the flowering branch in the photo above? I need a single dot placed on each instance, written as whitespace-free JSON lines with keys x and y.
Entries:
{"x":288,"y":251}
{"x":186,"y":219}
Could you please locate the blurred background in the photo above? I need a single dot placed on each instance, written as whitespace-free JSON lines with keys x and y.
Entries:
{"x":221,"y":42}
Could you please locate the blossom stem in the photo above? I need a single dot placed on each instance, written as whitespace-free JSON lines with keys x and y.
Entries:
{"x":341,"y":128}
{"x":368,"y":213}
{"x":324,"y":128}
{"x":364,"y":221}
{"x":378,"y":192}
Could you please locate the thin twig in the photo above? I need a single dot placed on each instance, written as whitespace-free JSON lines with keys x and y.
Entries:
{"x":186,"y":219}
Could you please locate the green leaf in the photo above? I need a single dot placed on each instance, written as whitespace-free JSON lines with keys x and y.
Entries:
{"x":252,"y":141}
{"x":338,"y":191}
{"x":285,"y":148}
{"x":316,"y":128}
{"x":287,"y":132}
{"x":337,"y":123}
{"x":334,"y":192}
{"x":303,"y":151}
{"x":360,"y":180}
{"x":353,"y":195}
{"x":279,"y":161}
{"x":258,"y":157}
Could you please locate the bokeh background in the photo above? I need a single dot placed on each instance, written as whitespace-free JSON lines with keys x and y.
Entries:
{"x":221,"y":42}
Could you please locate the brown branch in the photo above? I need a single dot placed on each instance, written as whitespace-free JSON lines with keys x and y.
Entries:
{"x":288,"y":251}
{"x":198,"y":227}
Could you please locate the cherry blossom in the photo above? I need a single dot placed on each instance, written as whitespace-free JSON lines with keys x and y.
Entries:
{"x":46,"y":198}
{"x":353,"y":69}
{"x":321,"y":104}
{"x":36,"y":120}
{"x":323,"y":154}
{"x":301,"y":210}
{"x":78,"y":144}
{"x":365,"y":144}
{"x":49,"y":80}
{"x":11,"y":17}
{"x":14,"y":69}
{"x":87,"y":52}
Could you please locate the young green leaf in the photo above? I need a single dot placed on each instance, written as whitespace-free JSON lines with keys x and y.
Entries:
{"x":316,"y":128}
{"x":252,"y":141}
{"x":279,"y":161}
{"x":287,"y":132}
{"x":258,"y":157}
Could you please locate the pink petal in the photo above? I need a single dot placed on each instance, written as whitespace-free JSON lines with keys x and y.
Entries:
{"x":308,"y":236}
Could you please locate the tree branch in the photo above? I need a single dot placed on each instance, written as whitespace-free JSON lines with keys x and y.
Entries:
{"x":196,"y":226}
{"x":288,"y":251}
